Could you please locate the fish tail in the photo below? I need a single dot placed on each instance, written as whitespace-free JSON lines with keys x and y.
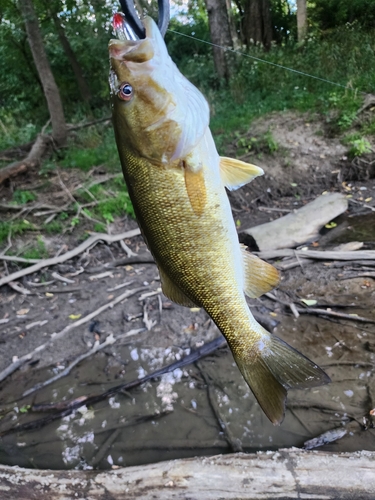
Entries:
{"x":273,"y":367}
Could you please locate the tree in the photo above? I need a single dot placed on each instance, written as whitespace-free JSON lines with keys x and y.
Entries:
{"x":220,"y":35}
{"x":301,"y":19}
{"x":258,"y":22}
{"x":51,"y":91}
{"x":77,"y":70}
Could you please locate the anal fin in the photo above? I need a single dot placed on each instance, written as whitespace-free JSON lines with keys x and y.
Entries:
{"x":260,"y":276}
{"x":173,"y":292}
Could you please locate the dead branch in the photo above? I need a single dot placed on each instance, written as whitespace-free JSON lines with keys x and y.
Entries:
{"x":88,"y":124}
{"x":33,"y":159}
{"x":110,"y":340}
{"x":108,"y":238}
{"x":23,"y":359}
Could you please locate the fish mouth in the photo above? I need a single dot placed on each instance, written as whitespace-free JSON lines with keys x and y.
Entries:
{"x":128,"y":46}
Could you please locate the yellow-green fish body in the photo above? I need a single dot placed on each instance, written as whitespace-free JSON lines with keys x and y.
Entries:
{"x":176,"y":182}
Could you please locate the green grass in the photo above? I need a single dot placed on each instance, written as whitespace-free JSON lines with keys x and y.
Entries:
{"x":23,"y":197}
{"x":36,"y":251}
{"x":14,"y":228}
{"x":345,"y":56}
{"x":91,"y":148}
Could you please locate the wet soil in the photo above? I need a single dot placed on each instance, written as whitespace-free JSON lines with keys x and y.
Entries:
{"x":203,"y":408}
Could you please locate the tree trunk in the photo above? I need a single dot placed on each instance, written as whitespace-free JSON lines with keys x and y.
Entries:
{"x":51,"y":91}
{"x":77,"y":70}
{"x":301,"y":19}
{"x":220,"y":35}
{"x":258,"y":22}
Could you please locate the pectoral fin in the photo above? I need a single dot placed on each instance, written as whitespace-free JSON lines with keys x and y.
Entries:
{"x":236,"y":173}
{"x":196,"y":189}
{"x":172,"y":291}
{"x":260,"y":277}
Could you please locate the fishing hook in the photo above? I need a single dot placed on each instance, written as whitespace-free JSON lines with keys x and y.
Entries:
{"x":136,"y":24}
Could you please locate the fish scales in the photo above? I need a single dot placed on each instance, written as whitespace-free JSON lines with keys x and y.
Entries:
{"x":195,"y":249}
{"x":176,"y":181}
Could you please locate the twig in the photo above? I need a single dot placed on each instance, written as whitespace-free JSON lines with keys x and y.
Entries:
{"x":23,"y":359}
{"x":122,"y":285}
{"x":362,"y":204}
{"x":68,"y":255}
{"x":294,"y":310}
{"x":129,"y":252}
{"x":103,"y":450}
{"x":19,"y":288}
{"x":97,"y":347}
{"x":61,"y":278}
{"x":271,"y":209}
{"x":233,"y":442}
{"x":325,"y":312}
{"x":149,"y":323}
{"x":67,"y":407}
{"x":13,"y":258}
{"x":360,"y":275}
{"x":140,"y":259}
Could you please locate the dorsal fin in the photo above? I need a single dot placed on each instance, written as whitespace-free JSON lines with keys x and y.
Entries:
{"x":260,"y":277}
{"x":236,"y":173}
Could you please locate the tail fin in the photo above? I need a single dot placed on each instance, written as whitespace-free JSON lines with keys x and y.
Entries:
{"x":275,"y":368}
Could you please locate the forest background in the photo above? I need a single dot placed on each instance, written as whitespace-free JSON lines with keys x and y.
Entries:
{"x":57,"y":82}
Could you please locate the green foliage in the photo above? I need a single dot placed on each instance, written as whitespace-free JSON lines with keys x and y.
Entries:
{"x":14,"y":228}
{"x":90,"y":149}
{"x":23,"y":197}
{"x":360,"y":147}
{"x":53,"y":227}
{"x":36,"y":251}
{"x":329,"y":14}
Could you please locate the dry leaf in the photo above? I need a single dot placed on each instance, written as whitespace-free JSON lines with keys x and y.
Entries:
{"x":22,"y":312}
{"x":75,"y":316}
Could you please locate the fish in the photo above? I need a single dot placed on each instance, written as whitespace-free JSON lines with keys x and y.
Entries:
{"x":177,"y":183}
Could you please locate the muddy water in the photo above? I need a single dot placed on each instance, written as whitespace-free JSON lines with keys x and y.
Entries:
{"x":206,"y":408}
{"x":178,"y":416}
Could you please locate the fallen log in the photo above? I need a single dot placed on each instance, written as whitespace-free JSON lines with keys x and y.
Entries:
{"x":287,"y":473}
{"x":299,"y":226}
{"x":33,"y":159}
{"x":319,"y":255}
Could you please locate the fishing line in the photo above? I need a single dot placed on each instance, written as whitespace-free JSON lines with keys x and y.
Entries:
{"x":228,"y":49}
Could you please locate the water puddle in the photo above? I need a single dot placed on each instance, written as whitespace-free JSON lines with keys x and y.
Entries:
{"x":179,"y":415}
{"x":352,"y":228}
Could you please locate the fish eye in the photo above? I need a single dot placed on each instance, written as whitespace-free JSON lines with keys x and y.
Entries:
{"x":125,"y":91}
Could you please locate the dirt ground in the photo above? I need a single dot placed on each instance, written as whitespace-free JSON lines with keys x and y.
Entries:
{"x":306,"y":163}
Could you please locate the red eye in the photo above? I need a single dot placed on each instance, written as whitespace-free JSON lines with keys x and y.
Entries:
{"x":125,"y":91}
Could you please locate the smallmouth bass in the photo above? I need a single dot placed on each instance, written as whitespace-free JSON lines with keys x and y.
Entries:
{"x":176,"y":181}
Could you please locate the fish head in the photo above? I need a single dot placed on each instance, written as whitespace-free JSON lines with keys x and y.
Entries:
{"x":157,"y":112}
